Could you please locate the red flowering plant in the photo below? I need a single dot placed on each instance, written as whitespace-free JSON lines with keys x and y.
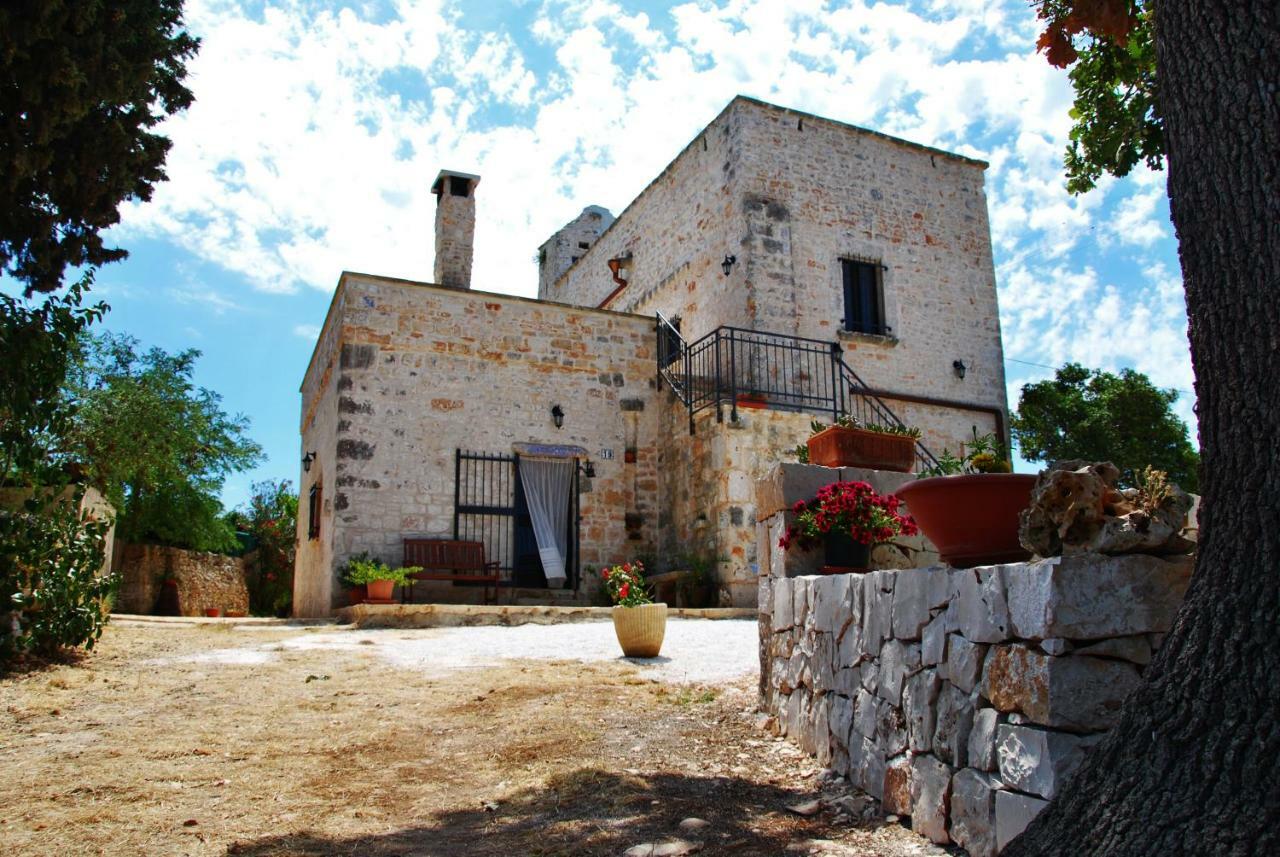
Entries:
{"x":626,"y":585}
{"x":848,"y":507}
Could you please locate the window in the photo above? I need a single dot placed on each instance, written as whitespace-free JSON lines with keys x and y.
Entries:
{"x":863,"y":297}
{"x":313,"y":512}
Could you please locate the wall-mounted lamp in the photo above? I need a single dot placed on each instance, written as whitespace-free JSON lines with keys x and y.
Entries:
{"x":959,"y":367}
{"x":728,"y":263}
{"x":306,"y":461}
{"x":557,"y":416}
{"x":588,"y":469}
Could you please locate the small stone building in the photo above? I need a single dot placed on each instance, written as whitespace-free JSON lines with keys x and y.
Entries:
{"x":783,"y":267}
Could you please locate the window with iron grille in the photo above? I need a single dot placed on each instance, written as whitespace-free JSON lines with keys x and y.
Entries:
{"x":313,"y":512}
{"x":863,"y":297}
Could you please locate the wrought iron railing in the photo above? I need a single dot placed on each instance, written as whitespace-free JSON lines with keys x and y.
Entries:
{"x":745,"y":368}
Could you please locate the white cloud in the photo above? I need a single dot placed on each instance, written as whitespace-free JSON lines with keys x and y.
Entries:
{"x":316,"y":134}
{"x":208,"y":300}
{"x":306,"y":331}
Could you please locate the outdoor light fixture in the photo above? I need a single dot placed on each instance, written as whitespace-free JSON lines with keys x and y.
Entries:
{"x":557,"y":416}
{"x":728,"y":263}
{"x":588,"y":469}
{"x":306,"y":461}
{"x":959,"y":366}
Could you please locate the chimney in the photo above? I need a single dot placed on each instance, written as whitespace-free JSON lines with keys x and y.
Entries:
{"x":455,"y":227}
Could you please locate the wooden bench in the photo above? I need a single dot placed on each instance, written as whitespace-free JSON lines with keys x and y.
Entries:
{"x":446,"y":559}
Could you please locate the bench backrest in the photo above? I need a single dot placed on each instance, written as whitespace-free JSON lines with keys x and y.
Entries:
{"x":443,"y":554}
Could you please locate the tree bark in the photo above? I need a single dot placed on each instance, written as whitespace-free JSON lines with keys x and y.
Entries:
{"x":1192,"y":766}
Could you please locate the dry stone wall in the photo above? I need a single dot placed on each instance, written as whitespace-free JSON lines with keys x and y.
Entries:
{"x":204,"y":580}
{"x":963,"y":698}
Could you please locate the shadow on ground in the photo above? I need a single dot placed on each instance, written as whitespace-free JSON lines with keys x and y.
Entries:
{"x":586,"y":812}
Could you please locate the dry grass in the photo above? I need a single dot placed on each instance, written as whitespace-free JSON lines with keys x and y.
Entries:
{"x":134,"y":750}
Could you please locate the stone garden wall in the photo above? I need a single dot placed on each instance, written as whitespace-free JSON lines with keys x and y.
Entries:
{"x":963,"y":698}
{"x":205,"y":580}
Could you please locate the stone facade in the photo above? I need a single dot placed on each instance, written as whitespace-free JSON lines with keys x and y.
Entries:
{"x":204,"y":580}
{"x":963,"y":698}
{"x":404,"y":374}
{"x":563,"y":250}
{"x":789,"y":195}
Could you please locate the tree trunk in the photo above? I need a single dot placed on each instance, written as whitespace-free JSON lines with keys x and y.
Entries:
{"x":1191,"y":767}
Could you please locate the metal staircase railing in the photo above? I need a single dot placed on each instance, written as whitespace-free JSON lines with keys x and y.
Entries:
{"x":741,"y":367}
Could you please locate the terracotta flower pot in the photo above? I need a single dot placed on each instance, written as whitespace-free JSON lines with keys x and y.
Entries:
{"x":357,"y":594}
{"x":973,"y":519}
{"x":212,"y":612}
{"x":640,"y":629}
{"x":752,"y":401}
{"x":838,"y":446}
{"x":380,"y":590}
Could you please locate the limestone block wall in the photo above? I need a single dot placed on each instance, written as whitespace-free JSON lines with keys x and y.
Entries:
{"x":417,"y":372}
{"x":204,"y":580}
{"x":568,"y":245}
{"x":676,"y":231}
{"x":828,"y":191}
{"x":963,"y":698}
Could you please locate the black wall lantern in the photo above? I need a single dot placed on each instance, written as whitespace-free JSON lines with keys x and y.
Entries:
{"x":728,"y":263}
{"x":306,"y":461}
{"x":557,"y":416}
{"x":960,"y":368}
{"x":588,"y":469}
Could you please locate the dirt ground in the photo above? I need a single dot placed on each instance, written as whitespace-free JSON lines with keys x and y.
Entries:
{"x":148,"y":746}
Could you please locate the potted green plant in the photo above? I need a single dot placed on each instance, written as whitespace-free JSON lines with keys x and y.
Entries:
{"x":852,"y":443}
{"x":848,"y":519}
{"x":378,"y":579}
{"x":356,"y":592}
{"x":639,"y":623}
{"x":968,"y":506}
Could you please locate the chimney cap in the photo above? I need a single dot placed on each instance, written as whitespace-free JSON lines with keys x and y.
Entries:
{"x":437,"y":187}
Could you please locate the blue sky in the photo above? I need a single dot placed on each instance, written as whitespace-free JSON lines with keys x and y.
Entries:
{"x":318,"y":127}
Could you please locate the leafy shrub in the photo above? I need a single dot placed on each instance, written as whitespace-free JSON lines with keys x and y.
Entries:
{"x":361,"y":571}
{"x":985,"y":454}
{"x":54,"y":595}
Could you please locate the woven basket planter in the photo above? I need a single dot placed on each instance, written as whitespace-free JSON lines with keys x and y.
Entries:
{"x":640,"y":629}
{"x":838,"y":446}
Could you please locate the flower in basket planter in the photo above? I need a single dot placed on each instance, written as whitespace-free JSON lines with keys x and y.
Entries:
{"x":848,"y":519}
{"x":639,"y":623}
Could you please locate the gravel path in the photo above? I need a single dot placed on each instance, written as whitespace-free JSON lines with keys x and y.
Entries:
{"x":700,"y":651}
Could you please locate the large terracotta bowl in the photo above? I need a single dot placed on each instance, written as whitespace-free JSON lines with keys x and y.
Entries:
{"x":972,"y":520}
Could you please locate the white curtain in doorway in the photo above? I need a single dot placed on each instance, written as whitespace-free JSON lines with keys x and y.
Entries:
{"x":547,"y":482}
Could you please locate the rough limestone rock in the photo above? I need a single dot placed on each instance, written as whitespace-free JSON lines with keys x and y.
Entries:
{"x":1136,"y":649}
{"x":911,"y":603}
{"x":877,"y":610}
{"x":1067,"y":506}
{"x":1013,"y":813}
{"x":1039,"y":761}
{"x":848,"y":682}
{"x":782,"y":601}
{"x":831,"y":602}
{"x":897,"y":661}
{"x":982,"y":739}
{"x":891,"y":730}
{"x":866,"y":766}
{"x":1079,"y":694}
{"x":823,"y":677}
{"x":979,"y":609}
{"x":919,"y":704}
{"x":930,"y":797}
{"x":841,"y":723}
{"x":897,"y":786}
{"x":865,"y":714}
{"x":964,"y":662}
{"x":1075,"y":506}
{"x":973,"y":812}
{"x":954,"y":720}
{"x":819,"y":726}
{"x":933,"y":641}
{"x":1092,"y":597}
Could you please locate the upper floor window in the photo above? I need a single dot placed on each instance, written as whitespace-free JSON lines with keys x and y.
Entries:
{"x":863,"y":297}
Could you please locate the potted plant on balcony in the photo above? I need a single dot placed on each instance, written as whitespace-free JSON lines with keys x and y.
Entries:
{"x":377,"y":578}
{"x":851,"y":443}
{"x":969,"y":506}
{"x":639,"y":623}
{"x":848,"y":519}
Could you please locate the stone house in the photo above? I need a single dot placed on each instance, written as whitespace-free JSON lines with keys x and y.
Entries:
{"x":782,"y":267}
